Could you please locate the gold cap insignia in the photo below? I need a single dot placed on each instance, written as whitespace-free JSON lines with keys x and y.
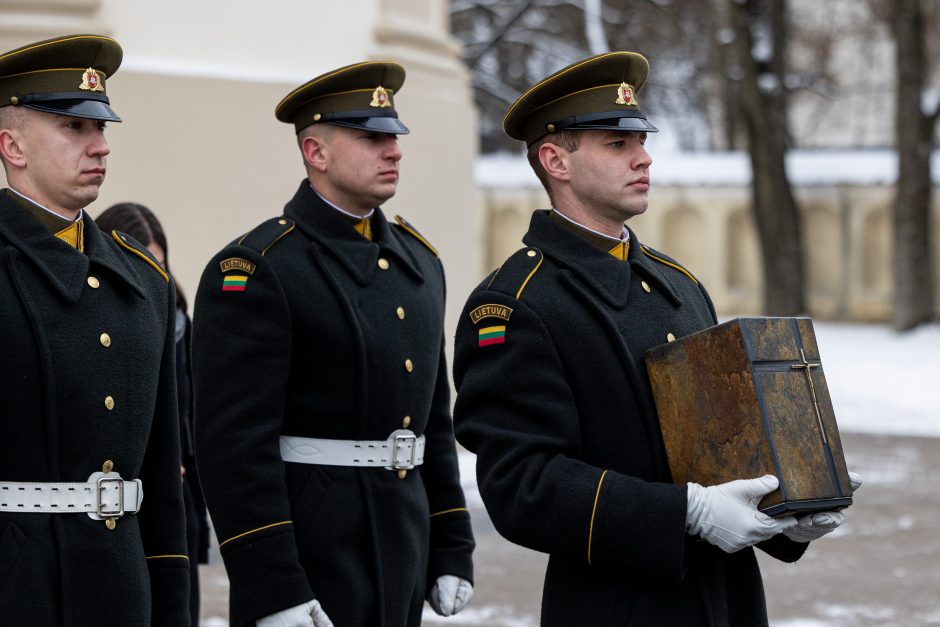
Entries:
{"x":91,"y":81}
{"x":625,"y":95}
{"x":380,"y":98}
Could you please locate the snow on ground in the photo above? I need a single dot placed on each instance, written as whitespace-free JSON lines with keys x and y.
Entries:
{"x":882,"y":381}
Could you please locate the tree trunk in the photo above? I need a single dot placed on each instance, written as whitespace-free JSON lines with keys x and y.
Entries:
{"x":765,"y":115}
{"x":913,"y":280}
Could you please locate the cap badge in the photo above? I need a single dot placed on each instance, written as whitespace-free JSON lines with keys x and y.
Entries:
{"x":380,"y":98}
{"x":91,"y":81}
{"x":625,"y":95}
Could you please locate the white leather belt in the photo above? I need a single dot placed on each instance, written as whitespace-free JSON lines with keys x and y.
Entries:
{"x":103,"y":496}
{"x":402,"y":450}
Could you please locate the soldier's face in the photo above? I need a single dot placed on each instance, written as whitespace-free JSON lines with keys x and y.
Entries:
{"x":361,"y":168}
{"x":65,"y":160}
{"x":609,"y":173}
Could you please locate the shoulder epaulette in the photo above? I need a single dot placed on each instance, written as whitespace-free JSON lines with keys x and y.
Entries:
{"x":134,"y":247}
{"x":267,"y":234}
{"x":405,"y":226}
{"x":514,"y":275}
{"x":666,"y":261}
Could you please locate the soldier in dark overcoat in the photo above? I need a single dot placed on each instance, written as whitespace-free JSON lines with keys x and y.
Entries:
{"x":323,"y":427}
{"x":554,"y":399}
{"x":87,"y":383}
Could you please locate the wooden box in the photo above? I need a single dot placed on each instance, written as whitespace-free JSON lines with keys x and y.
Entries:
{"x":748,"y":398}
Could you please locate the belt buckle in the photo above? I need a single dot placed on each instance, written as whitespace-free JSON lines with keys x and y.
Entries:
{"x":405,"y":437}
{"x":103,"y":511}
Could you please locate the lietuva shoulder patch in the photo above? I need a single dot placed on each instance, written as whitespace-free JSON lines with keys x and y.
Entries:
{"x":666,"y":261}
{"x":134,"y":247}
{"x":267,"y":234}
{"x":516,"y":273}
{"x":412,"y":231}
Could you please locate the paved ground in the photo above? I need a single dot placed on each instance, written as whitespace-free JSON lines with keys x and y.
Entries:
{"x":882,"y":568}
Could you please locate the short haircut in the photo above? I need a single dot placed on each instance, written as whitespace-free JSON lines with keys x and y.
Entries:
{"x":568,"y":140}
{"x":12,"y":118}
{"x":320,"y":131}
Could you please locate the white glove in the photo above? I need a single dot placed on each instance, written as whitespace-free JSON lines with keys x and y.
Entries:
{"x":450,"y":594}
{"x":308,"y":614}
{"x":855,"y":480}
{"x":726,"y":515}
{"x":814,"y":526}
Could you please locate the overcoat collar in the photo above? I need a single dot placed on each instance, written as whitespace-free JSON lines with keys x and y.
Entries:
{"x":63,"y":266}
{"x":607,"y":276}
{"x":331,"y":230}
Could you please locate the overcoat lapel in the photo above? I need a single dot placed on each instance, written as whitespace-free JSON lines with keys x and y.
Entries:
{"x":331,"y":232}
{"x":602,"y":282}
{"x":62,"y":266}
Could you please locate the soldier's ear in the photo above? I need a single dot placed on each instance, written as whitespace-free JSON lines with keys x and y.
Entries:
{"x":313,"y":149}
{"x":10,"y":148}
{"x":554,"y":160}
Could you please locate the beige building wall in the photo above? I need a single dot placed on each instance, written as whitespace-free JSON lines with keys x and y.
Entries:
{"x":200,"y":145}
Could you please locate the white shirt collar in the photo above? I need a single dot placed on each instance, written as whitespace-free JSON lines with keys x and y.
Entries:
{"x":624,"y":235}
{"x":81,"y":212}
{"x":343,"y":211}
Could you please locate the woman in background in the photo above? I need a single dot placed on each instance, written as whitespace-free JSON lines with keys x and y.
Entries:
{"x":141,"y":224}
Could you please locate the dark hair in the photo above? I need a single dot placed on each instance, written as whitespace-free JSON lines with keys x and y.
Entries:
{"x":141,"y":224}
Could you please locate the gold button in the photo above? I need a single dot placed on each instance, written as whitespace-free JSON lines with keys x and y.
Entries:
{"x":94,"y":283}
{"x":14,"y":100}
{"x":105,"y":340}
{"x":409,"y":366}
{"x":317,"y":116}
{"x":670,"y":337}
{"x":402,"y":474}
{"x":107,"y":466}
{"x":401,"y":313}
{"x":646,"y":286}
{"x":405,"y":422}
{"x":383,"y":263}
{"x":282,"y":222}
{"x":110,"y":523}
{"x":109,"y":402}
{"x":550,"y":128}
{"x":531,"y":253}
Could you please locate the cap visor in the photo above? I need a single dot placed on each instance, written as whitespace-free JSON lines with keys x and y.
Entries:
{"x":617,"y":124}
{"x":90,"y":109}
{"x":376,"y":125}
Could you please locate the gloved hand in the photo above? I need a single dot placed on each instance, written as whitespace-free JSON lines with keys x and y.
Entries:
{"x":450,"y":594}
{"x":855,"y":480}
{"x":726,"y":515}
{"x":814,"y":526}
{"x":308,"y":614}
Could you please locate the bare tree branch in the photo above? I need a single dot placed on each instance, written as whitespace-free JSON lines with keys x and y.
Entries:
{"x":500,"y":32}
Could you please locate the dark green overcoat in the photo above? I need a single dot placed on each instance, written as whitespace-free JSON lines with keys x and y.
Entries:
{"x":553,"y":397}
{"x":313,"y":341}
{"x":55,"y":374}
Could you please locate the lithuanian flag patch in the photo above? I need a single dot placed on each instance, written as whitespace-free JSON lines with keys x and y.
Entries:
{"x":492,"y":335}
{"x":234,"y":282}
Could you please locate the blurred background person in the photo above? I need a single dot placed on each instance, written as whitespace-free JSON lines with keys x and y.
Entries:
{"x":141,"y":224}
